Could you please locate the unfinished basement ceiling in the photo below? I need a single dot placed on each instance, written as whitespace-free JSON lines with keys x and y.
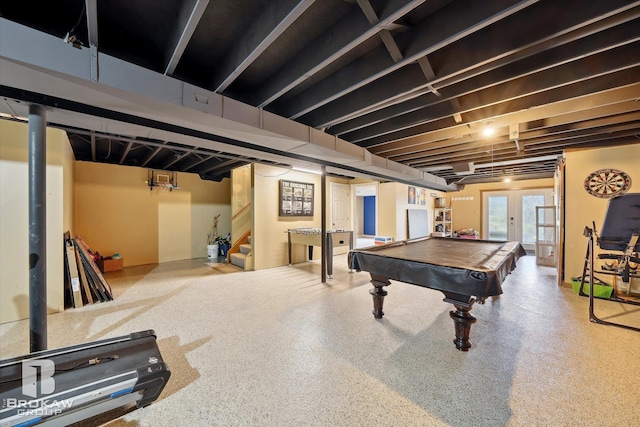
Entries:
{"x":212,"y":165}
{"x":415,"y":82}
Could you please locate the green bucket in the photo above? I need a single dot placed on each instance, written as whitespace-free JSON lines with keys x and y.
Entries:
{"x":599,"y":291}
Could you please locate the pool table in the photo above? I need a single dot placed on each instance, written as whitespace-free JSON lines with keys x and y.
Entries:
{"x":465,"y":271}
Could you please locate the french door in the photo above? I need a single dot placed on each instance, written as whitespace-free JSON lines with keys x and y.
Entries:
{"x":511,"y":214}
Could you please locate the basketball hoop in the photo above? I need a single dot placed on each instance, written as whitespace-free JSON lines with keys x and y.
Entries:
{"x":164,"y":182}
{"x":164,"y":187}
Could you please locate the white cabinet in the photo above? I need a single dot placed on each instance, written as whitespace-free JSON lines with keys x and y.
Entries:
{"x":442,"y":221}
{"x":546,"y":251}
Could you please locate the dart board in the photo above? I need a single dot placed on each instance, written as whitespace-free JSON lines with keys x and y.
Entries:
{"x":605,"y":183}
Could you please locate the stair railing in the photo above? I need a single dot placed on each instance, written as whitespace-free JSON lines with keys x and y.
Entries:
{"x":237,"y":214}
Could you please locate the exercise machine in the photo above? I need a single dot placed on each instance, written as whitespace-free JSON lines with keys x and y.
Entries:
{"x":621,"y":235}
{"x":68,"y":385}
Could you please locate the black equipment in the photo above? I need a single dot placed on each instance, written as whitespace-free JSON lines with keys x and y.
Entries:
{"x":71,"y":384}
{"x":621,"y":233}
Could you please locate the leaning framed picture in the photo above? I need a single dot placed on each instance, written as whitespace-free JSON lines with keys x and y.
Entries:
{"x":296,"y":198}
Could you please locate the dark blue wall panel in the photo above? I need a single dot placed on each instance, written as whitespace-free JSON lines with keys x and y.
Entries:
{"x":369,"y":226}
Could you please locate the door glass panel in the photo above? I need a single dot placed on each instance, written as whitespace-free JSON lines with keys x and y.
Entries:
{"x":529,"y":204}
{"x":498,"y":217}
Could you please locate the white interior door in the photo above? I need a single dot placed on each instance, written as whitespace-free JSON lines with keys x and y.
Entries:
{"x":511,"y":214}
{"x":340,"y":206}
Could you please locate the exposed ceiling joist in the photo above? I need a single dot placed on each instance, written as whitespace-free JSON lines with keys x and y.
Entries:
{"x":345,"y":35}
{"x":386,"y":89}
{"x":278,"y":16}
{"x":91,"y":8}
{"x":190,"y":14}
{"x":420,"y":41}
{"x":491,"y":56}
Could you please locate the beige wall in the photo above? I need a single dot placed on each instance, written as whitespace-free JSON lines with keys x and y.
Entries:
{"x":269,"y":234}
{"x":582,"y":208}
{"x":14,"y":218}
{"x":116,"y":212}
{"x":386,"y":209}
{"x":466,"y":205}
{"x":393,"y":202}
{"x":270,"y":240}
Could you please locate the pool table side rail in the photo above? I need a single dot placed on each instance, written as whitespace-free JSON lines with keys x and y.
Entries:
{"x":481,"y":281}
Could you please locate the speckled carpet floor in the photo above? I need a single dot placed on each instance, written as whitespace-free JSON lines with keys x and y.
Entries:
{"x":279,"y":348}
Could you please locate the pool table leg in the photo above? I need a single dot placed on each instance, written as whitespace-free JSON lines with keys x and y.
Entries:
{"x":462,"y":321}
{"x":378,"y":294}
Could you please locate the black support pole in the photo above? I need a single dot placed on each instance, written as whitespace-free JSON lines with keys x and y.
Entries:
{"x":323,"y":226}
{"x":37,"y":229}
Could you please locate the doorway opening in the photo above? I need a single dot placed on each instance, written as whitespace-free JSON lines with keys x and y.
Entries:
{"x":511,"y":214}
{"x":365,"y":213}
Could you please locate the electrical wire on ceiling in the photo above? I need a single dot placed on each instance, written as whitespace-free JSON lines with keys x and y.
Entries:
{"x":71,"y":37}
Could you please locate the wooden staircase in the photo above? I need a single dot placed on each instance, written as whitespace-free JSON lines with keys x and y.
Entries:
{"x":241,"y":255}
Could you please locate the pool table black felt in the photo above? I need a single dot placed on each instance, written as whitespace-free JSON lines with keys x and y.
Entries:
{"x":462,"y":266}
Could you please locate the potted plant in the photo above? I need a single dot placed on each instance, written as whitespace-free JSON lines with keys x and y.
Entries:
{"x":212,"y":239}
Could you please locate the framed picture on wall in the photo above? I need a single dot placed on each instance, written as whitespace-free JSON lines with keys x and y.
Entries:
{"x":412,"y":195}
{"x":296,"y":198}
{"x":422,"y":197}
